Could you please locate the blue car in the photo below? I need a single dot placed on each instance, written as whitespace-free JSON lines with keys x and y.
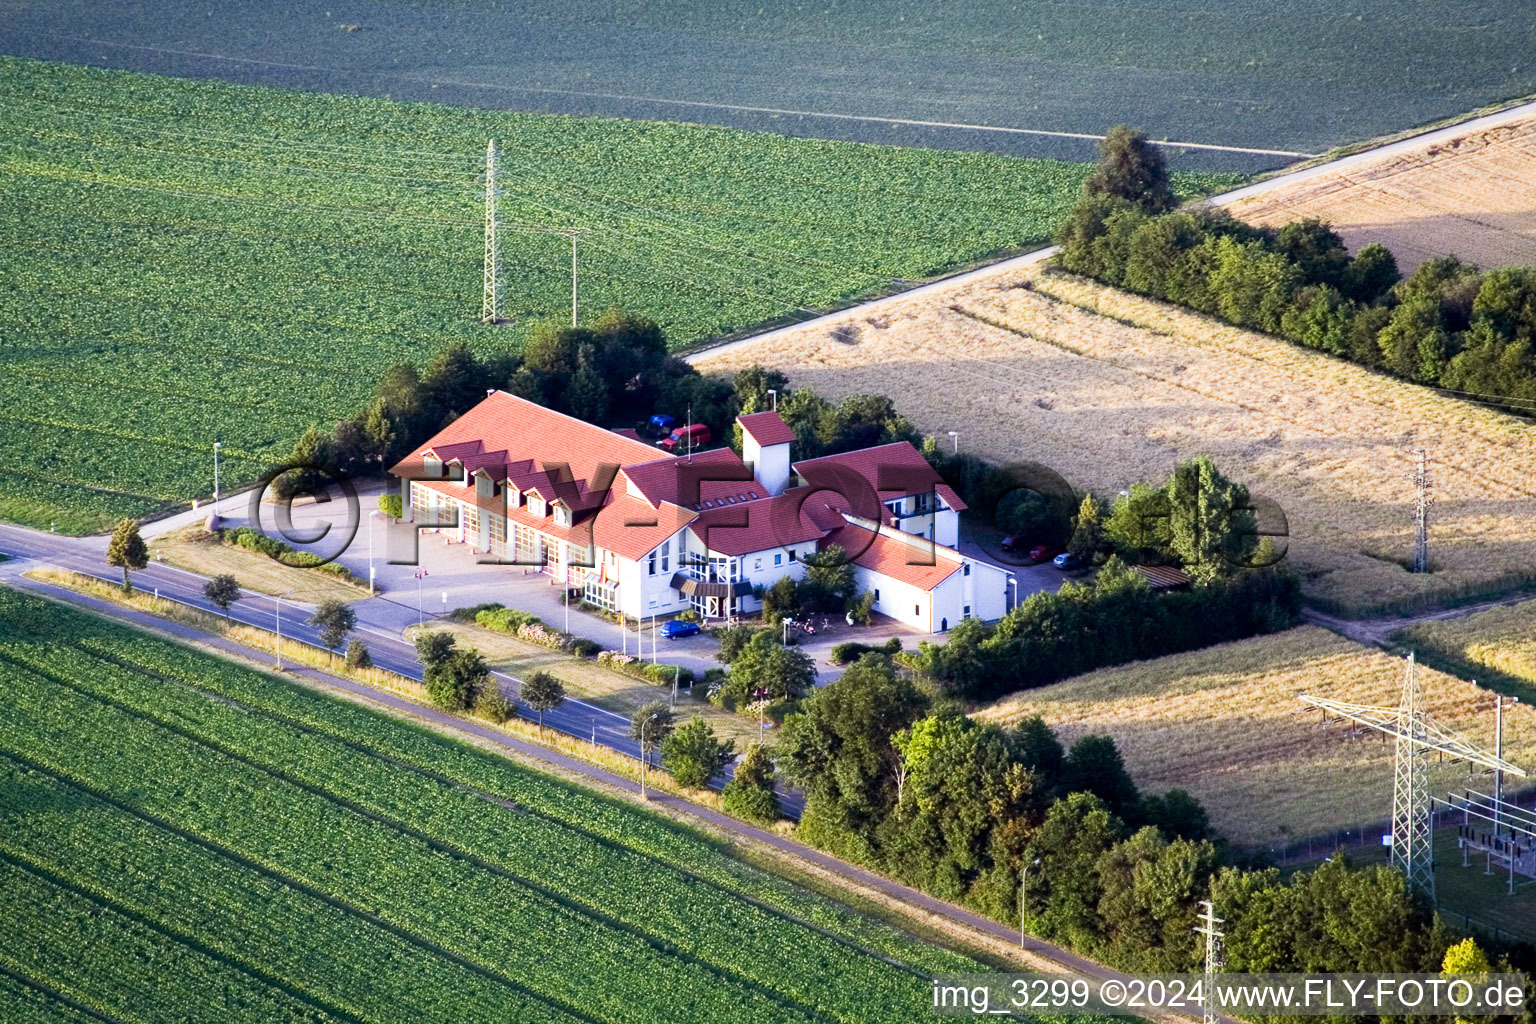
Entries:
{"x":663,"y":424}
{"x":676,"y":629}
{"x":1067,"y":561}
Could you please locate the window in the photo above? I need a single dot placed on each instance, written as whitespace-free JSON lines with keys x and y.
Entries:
{"x":666,"y":555}
{"x":917,"y":609}
{"x":967,"y":611}
{"x":967,"y":571}
{"x":778,"y":559}
{"x":562,"y":516}
{"x":535,"y":505}
{"x":498,"y":536}
{"x":877,"y":595}
{"x":650,"y":567}
{"x":484,"y":487}
{"x":757,"y":565}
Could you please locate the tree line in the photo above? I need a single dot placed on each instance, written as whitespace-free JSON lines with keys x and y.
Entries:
{"x":1447,"y":324}
{"x":1009,"y":822}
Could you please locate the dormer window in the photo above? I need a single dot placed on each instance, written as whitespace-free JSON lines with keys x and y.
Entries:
{"x":485,"y":487}
{"x":431,"y":468}
{"x":562,"y":516}
{"x":535,"y":506}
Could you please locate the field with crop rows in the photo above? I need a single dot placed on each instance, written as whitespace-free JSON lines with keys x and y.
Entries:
{"x":255,"y":851}
{"x":1108,"y":389}
{"x":1302,"y":75}
{"x":1473,"y":197}
{"x":1224,"y":723}
{"x":190,"y":261}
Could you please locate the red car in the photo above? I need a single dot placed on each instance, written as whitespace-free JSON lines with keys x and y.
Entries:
{"x":1043,"y":552}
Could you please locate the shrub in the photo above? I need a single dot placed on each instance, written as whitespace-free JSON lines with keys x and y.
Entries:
{"x":848,"y":651}
{"x":358,"y":656}
{"x":583,"y":647}
{"x":471,"y":613}
{"x":503,"y":619}
{"x":632,"y":665}
{"x":750,"y":794}
{"x":491,"y":704}
{"x":390,"y":505}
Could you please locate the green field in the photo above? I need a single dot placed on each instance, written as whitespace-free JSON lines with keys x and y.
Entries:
{"x":189,"y":261}
{"x":183,"y":836}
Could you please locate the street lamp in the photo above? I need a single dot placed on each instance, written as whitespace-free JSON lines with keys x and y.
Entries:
{"x":420,"y":575}
{"x":1013,"y":581}
{"x":279,"y":600}
{"x":774,"y":392}
{"x":644,"y":757}
{"x":567,"y":586}
{"x":216,"y":446}
{"x":787,"y":623}
{"x":954,"y":435}
{"x":1024,"y":888}
{"x":371,"y":517}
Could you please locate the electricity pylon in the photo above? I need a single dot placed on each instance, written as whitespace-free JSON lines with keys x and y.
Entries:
{"x":1213,"y":959}
{"x":1416,"y":734}
{"x":1422,"y":501}
{"x":490,"y":308}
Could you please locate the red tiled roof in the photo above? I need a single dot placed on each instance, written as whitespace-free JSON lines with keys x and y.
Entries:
{"x":631,"y":528}
{"x":692,"y":481}
{"x":528,"y":431}
{"x":905,"y":470}
{"x":628,"y":432}
{"x":762,"y":525}
{"x":627,"y":526}
{"x":892,"y":556}
{"x":766,"y":428}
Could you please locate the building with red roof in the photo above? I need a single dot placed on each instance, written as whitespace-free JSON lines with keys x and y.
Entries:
{"x":645,"y":533}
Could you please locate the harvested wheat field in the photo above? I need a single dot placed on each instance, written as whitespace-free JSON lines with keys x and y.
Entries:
{"x":1472,"y":197}
{"x":1498,"y":644}
{"x":1108,"y":388}
{"x":1225,"y":724}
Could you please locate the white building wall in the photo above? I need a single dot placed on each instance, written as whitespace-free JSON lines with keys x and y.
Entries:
{"x":759,"y":569}
{"x":909,"y":605}
{"x":770,"y":464}
{"x":946,"y":527}
{"x":987,"y":591}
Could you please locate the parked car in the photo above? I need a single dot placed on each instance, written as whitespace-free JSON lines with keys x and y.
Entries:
{"x":1067,"y":562}
{"x":686,"y":438}
{"x":1011,"y":543}
{"x":1043,"y":552}
{"x":676,"y":629}
{"x":662,"y":424}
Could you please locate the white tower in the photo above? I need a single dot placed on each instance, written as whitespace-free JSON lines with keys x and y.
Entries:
{"x":765,"y":440}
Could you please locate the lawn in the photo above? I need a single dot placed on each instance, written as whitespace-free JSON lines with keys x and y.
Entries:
{"x":192,"y":261}
{"x":1225,"y":724}
{"x":193,"y":548}
{"x":1108,"y":388}
{"x":257,"y":851}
